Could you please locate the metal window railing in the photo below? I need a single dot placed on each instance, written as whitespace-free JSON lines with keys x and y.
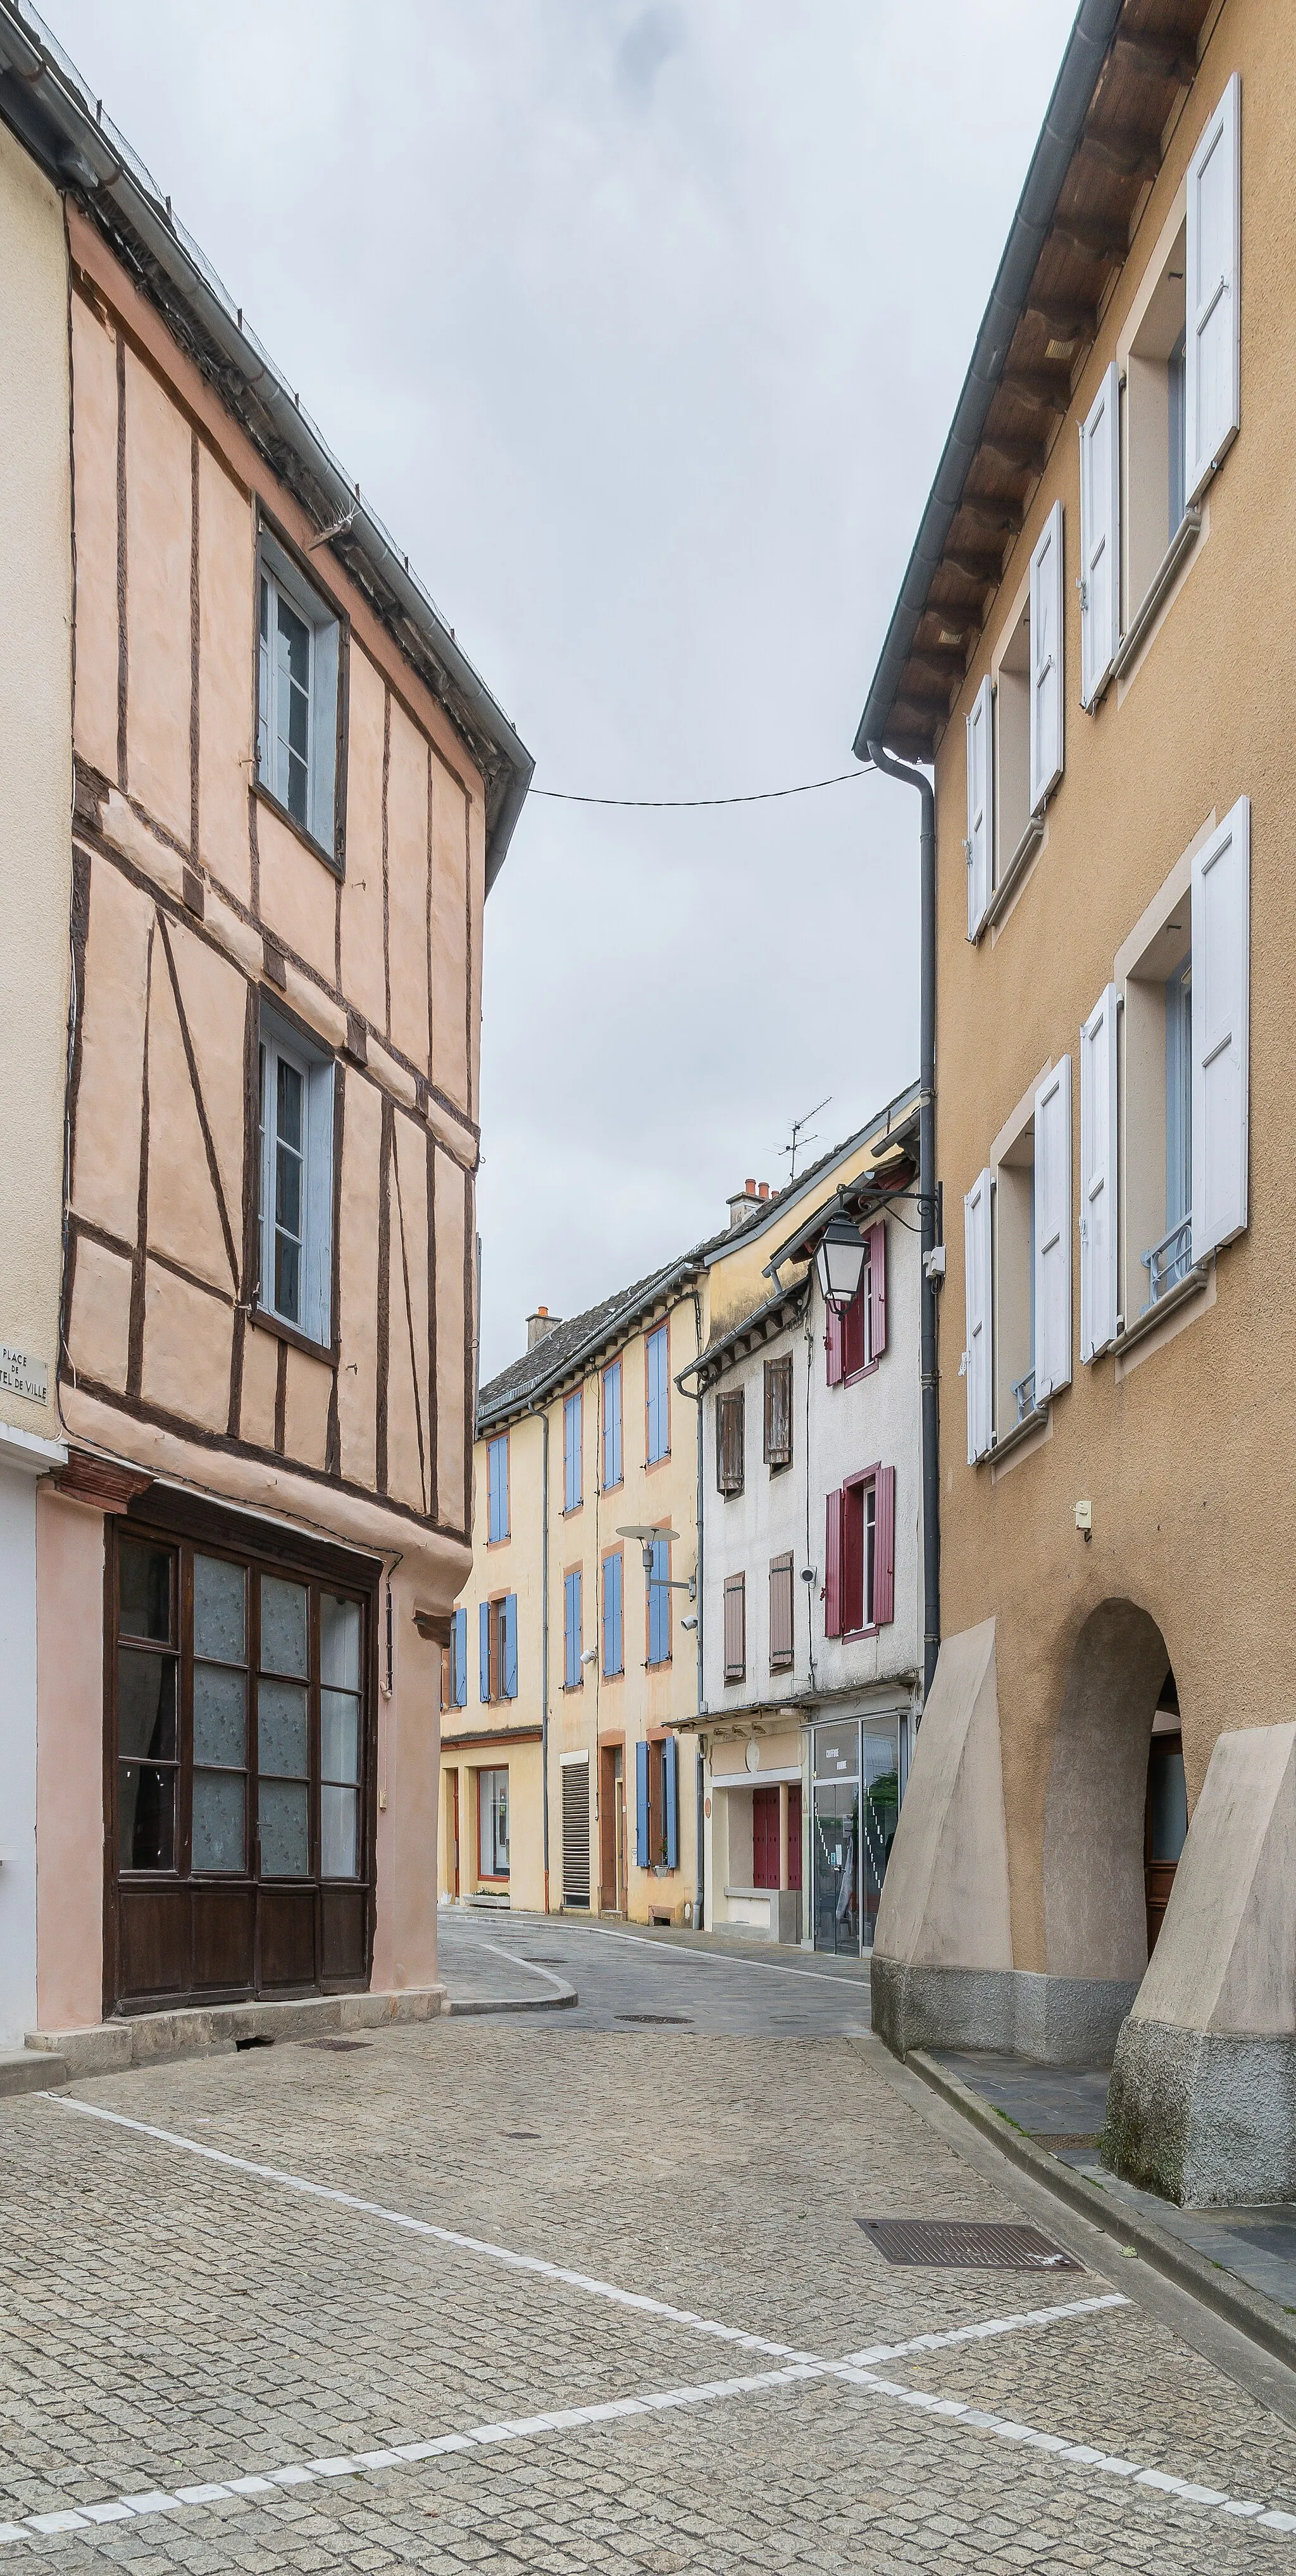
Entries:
{"x":1170,"y":1260}
{"x":1024,"y":1394}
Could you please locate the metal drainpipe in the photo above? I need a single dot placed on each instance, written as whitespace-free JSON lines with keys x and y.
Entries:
{"x":544,"y":1637}
{"x":699,"y":1893}
{"x":882,"y":760}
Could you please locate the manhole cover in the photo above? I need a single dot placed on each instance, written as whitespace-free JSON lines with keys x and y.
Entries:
{"x":337,"y":2043}
{"x":1066,"y":2137}
{"x":967,"y":2245}
{"x":521,"y":2133}
{"x":676,"y":2021}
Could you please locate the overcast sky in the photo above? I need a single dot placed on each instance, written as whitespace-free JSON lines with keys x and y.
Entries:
{"x":641,"y":325}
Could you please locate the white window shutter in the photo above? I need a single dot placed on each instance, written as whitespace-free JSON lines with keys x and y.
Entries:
{"x":1046,"y":661}
{"x":980,"y":805}
{"x":978,"y":1269}
{"x":1100,"y":540}
{"x":1053,"y":1231}
{"x":1213,"y":339}
{"x":1221,"y":978}
{"x":1099,"y":1284}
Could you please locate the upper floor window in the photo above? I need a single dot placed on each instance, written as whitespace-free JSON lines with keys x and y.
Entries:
{"x":1015,"y":744}
{"x":497,"y":1650}
{"x":572,"y":1625}
{"x":454,"y":1664}
{"x":1017,"y":1245}
{"x":298,"y":699}
{"x":730,"y":1441}
{"x":613,"y":1628}
{"x":657,"y":1369}
{"x":296,"y":1181}
{"x":859,"y":1581}
{"x":857,"y":1339}
{"x":778,"y":1412}
{"x":660,"y":1621}
{"x":735,"y":1627}
{"x":612,"y":1424}
{"x":782,"y":1626}
{"x":497,"y":1489}
{"x":573,"y":1426}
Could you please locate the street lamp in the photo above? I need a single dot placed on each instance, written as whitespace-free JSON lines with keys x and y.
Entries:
{"x":839,"y":1262}
{"x":648,"y":1538}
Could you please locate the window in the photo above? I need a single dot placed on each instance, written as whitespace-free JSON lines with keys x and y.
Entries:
{"x":459,"y":1660}
{"x":497,"y":1650}
{"x":657,"y":1804}
{"x":612,"y":1425}
{"x":298,"y":724}
{"x":1156,"y":486}
{"x":218,"y":1708}
{"x":657,"y":1365}
{"x":573,"y":1489}
{"x":1015,"y":730}
{"x":859,"y":1587}
{"x":497,"y":1490}
{"x":660,"y":1621}
{"x":572,"y":1676}
{"x":782,"y":1635}
{"x":730,"y":1441}
{"x":857,"y":1339}
{"x":492,"y":1824}
{"x":735,"y":1627}
{"x":1017,"y":1250}
{"x":613,"y":1634}
{"x":296,"y":1181}
{"x":778,"y":1412}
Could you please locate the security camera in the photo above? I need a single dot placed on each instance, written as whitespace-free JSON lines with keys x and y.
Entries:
{"x":808,"y":1573}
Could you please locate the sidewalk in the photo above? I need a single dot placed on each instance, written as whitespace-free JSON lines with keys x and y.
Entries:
{"x":485,"y":1975}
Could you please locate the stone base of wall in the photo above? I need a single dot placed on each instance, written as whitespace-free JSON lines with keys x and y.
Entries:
{"x":139,"y":2039}
{"x":1206,"y":2118}
{"x":1060,"y":2021}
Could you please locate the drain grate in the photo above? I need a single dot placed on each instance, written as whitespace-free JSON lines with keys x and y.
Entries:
{"x":967,"y":2245}
{"x":675,"y":2021}
{"x":337,"y":2043}
{"x":1067,"y":2137}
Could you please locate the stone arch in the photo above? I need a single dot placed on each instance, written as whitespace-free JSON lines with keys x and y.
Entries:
{"x":1095,"y":1919}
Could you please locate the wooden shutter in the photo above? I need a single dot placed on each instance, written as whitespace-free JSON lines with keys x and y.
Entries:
{"x":1221,"y":974}
{"x":778,"y":1413}
{"x":875,"y":1242}
{"x":483,"y":1655}
{"x":459,"y":1651}
{"x":765,"y":1837}
{"x":1212,"y":369}
{"x":1099,"y":1281}
{"x":1053,"y":1231}
{"x":1100,"y":537}
{"x":508,"y":1644}
{"x":576,"y":1831}
{"x":1046,"y":704}
{"x":980,"y":805}
{"x":836,"y":1340}
{"x":833,"y":1567}
{"x":854,"y":1331}
{"x":884,"y":1549}
{"x":978,"y":1284}
{"x":735,"y":1627}
{"x":670,"y":1800}
{"x":782,"y":1644}
{"x":643,"y":1808}
{"x":730,"y":1441}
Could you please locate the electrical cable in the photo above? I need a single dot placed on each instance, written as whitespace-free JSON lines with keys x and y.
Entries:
{"x":677,"y":804}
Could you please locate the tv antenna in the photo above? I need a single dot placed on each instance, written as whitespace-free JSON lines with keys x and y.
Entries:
{"x":799,"y":1136}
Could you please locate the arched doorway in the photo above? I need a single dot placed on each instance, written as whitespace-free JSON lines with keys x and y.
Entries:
{"x":1165,"y":1822}
{"x":1110,"y":1797}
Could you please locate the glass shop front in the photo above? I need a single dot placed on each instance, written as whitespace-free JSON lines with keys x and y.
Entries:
{"x":855,"y":1807}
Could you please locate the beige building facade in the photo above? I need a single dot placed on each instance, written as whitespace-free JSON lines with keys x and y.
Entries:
{"x":1085,"y":649}
{"x":259,"y":793}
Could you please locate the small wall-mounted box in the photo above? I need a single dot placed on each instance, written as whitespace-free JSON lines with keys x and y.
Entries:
{"x":1084,"y":1518}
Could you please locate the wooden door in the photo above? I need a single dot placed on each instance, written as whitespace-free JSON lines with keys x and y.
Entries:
{"x":765,"y":1837}
{"x":794,"y":1836}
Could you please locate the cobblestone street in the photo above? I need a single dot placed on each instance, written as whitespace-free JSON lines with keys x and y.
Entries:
{"x":567,"y":2291}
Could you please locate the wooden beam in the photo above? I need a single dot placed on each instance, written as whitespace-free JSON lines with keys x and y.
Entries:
{"x":1158,"y":57}
{"x":989,"y":510}
{"x":948,"y":666}
{"x":1023,"y":455}
{"x":1092,"y":239}
{"x":1123,"y":149}
{"x":1031,"y":385}
{"x":1064,"y":322}
{"x":954,"y":622}
{"x":974,"y":566}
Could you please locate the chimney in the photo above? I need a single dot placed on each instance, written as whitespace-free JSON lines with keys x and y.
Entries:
{"x":742,"y":1203}
{"x":539,"y":1324}
{"x":764,"y":1189}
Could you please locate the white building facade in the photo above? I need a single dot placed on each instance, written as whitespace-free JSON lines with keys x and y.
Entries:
{"x":812,"y":1572}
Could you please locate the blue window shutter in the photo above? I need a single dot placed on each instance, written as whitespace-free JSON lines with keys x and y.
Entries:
{"x":459,"y":1684}
{"x":510,"y":1646}
{"x":670,"y":1799}
{"x":612,"y":1658}
{"x":643,"y":1820}
{"x":659,"y":1603}
{"x":483,"y":1657}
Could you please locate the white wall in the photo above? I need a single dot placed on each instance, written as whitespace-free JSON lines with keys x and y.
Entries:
{"x":17,"y":1756}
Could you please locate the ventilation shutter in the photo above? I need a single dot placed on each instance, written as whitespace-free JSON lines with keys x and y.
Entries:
{"x":877,"y":1272}
{"x":884,"y":1548}
{"x":670,"y":1799}
{"x":576,"y":1832}
{"x":978,"y":1287}
{"x":483,"y":1655}
{"x":980,"y":805}
{"x":508,"y":1642}
{"x":1100,"y":541}
{"x":1221,"y":974}
{"x":643,"y":1808}
{"x":1053,"y":1231}
{"x":1046,"y":706}
{"x":1212,"y":342}
{"x":1099,"y":1285}
{"x":833,"y":1567}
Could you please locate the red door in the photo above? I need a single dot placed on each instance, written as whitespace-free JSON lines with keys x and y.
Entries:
{"x":765,"y":1838}
{"x":794,"y":1836}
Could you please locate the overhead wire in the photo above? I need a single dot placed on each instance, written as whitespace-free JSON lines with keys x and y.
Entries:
{"x":677,"y":804}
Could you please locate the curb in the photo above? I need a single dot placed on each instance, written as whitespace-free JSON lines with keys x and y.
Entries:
{"x":515,"y":2003}
{"x":1248,"y":2310}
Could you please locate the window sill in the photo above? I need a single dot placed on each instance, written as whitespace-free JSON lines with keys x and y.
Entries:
{"x":852,"y":1376}
{"x":852,"y":1636}
{"x":569,"y":1689}
{"x":500,"y":1542}
{"x":787,"y":1666}
{"x":662,"y":1665}
{"x":1181,"y":544}
{"x":318,"y":850}
{"x":571,"y":1511}
{"x":1014,"y":872}
{"x":651,"y":1463}
{"x":778,"y":1466}
{"x":1180,"y":1295}
{"x":263,"y":1320}
{"x":1034,"y":1421}
{"x":734,"y":1681}
{"x":729,"y":1493}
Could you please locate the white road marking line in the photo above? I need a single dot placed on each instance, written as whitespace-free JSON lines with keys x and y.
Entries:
{"x":988,"y":2326}
{"x":704,"y":1958}
{"x":516,"y":1960}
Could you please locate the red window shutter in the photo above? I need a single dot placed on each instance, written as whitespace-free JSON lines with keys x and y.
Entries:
{"x":794,"y":1835}
{"x":855,"y":1331}
{"x":884,"y":1549}
{"x":836,"y":1342}
{"x":877,"y":1286}
{"x":833,"y":1569}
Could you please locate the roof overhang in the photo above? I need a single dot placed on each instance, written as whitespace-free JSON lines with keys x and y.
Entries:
{"x":890,"y":1171}
{"x":44,"y":100}
{"x":1109,"y":121}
